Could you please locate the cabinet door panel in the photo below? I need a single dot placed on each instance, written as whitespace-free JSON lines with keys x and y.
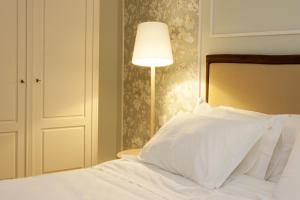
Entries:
{"x":8,"y":59}
{"x":63,"y":149}
{"x":8,"y":155}
{"x":62,"y":95}
{"x":65,"y":56}
{"x":12,"y":101}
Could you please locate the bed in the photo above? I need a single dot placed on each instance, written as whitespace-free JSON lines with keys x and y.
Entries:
{"x":127,"y":179}
{"x":254,"y":82}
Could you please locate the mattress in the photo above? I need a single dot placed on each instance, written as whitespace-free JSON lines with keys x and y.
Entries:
{"x":128,"y":179}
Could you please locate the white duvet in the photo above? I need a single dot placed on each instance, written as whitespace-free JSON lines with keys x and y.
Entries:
{"x":128,"y":179}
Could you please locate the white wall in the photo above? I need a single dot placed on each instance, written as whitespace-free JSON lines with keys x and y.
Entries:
{"x":278,"y":20}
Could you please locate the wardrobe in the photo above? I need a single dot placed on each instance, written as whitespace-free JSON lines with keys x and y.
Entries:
{"x":49,"y":65}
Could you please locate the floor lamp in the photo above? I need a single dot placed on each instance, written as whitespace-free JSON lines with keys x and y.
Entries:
{"x":152,"y":49}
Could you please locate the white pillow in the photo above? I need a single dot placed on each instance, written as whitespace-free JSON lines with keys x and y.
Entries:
{"x":204,"y":149}
{"x":283,"y":149}
{"x":204,"y":108}
{"x":284,"y":145}
{"x":246,"y":112}
{"x":258,"y":159}
{"x":288,"y":186}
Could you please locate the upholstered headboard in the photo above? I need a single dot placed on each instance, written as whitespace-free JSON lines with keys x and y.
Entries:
{"x":263,"y":83}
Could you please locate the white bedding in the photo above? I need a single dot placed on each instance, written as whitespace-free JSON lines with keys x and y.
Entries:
{"x":128,"y":179}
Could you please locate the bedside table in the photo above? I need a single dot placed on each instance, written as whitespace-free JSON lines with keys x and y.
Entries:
{"x":132,"y":152}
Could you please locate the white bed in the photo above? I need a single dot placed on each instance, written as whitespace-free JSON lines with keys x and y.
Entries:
{"x":128,"y":179}
{"x":195,"y":146}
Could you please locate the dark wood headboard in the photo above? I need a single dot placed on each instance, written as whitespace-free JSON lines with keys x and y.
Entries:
{"x":264,"y":83}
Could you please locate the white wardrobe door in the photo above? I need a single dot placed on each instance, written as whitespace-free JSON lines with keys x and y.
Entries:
{"x":62,"y":88}
{"x":12,"y":88}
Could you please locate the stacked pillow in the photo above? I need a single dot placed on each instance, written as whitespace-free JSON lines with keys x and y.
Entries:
{"x":283,"y":149}
{"x":258,"y":158}
{"x":206,"y":149}
{"x":277,"y":152}
{"x":207,"y":146}
{"x":288,"y":186}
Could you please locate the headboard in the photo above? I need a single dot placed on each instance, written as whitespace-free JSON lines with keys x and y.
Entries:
{"x":263,"y":83}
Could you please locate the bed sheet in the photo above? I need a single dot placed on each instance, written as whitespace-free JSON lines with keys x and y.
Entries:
{"x":128,"y":179}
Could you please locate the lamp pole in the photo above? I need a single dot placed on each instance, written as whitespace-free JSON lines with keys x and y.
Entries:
{"x":152,"y":112}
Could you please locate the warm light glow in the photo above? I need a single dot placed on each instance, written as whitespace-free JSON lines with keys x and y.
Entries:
{"x":182,"y":95}
{"x":152,"y":45}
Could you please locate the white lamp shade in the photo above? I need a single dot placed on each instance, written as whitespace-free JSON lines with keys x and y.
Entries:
{"x":152,"y":45}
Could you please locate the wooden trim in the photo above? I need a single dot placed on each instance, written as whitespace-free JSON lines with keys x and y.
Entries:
{"x":248,"y":59}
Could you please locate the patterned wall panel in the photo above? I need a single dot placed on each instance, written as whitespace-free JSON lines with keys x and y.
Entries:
{"x":177,"y":86}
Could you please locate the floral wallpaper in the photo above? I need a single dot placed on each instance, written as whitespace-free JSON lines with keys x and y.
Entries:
{"x":177,"y":86}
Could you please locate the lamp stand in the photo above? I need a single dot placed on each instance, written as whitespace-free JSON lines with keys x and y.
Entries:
{"x":152,"y":112}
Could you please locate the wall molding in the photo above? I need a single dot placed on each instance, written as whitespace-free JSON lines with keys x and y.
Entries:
{"x":245,"y":34}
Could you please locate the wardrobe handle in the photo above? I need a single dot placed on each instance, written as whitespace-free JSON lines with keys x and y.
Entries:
{"x":38,"y":80}
{"x":22,"y":81}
